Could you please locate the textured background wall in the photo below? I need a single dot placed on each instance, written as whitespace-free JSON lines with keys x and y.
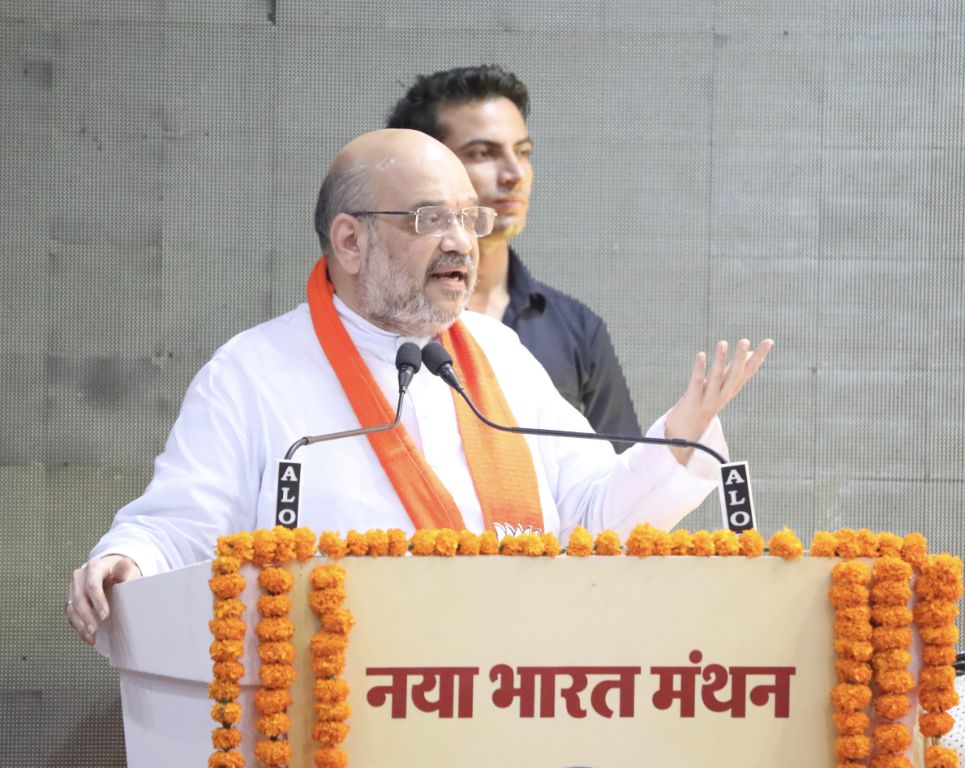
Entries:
{"x":704,"y":169}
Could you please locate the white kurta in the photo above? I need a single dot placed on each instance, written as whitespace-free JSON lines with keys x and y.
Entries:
{"x":272,"y":384}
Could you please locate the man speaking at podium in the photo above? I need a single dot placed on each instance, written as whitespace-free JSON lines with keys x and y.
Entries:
{"x":399,"y":223}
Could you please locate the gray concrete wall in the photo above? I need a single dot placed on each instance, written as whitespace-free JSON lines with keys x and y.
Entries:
{"x":704,"y":169}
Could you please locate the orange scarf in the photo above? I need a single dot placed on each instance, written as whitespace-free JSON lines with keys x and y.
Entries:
{"x":500,"y":463}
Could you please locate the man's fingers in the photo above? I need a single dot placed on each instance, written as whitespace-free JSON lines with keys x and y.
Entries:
{"x":78,"y":608}
{"x":755,"y":360}
{"x":719,"y":367}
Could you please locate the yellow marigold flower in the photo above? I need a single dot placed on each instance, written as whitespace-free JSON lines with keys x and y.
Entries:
{"x":328,"y":666}
{"x":276,"y":653}
{"x":937,"y":655}
{"x":935,"y":613}
{"x":225,"y":738}
{"x":786,"y":544}
{"x":326,"y":600}
{"x":237,"y":545}
{"x":233,"y":671}
{"x":265,"y":544}
{"x":847,"y":595}
{"x":331,"y":690}
{"x":936,"y":677}
{"x":852,"y":747}
{"x":681,"y":542}
{"x":274,"y":725}
{"x":276,"y":675}
{"x":934,"y":699}
{"x":914,"y":549}
{"x":356,"y":543}
{"x":580,"y":543}
{"x":329,"y":543}
{"x":551,"y":545}
{"x":227,"y":629}
{"x":895,"y":681}
{"x":328,"y":644}
{"x":304,"y":543}
{"x":891,"y":569}
{"x":274,"y":754}
{"x":887,"y":638}
{"x":270,"y":700}
{"x":941,"y":757}
{"x":607,"y":543}
{"x":851,"y":671}
{"x":852,"y":630}
{"x":725,"y":543}
{"x":226,"y":712}
{"x":332,"y":711}
{"x":327,"y":757}
{"x":857,"y":650}
{"x":846,"y":697}
{"x":226,"y":760}
{"x":328,"y":576}
{"x":867,"y":542}
{"x":274,"y":629}
{"x":284,"y":544}
{"x":662,"y":543}
{"x":424,"y":542}
{"x":892,"y":706}
{"x":702,"y":544}
{"x":642,"y":541}
{"x":935,"y":724}
{"x":896,"y":658}
{"x":377,"y":542}
{"x":509,"y":545}
{"x":851,"y":573}
{"x":854,"y":613}
{"x":824,"y":544}
{"x":222,"y":690}
{"x":468,"y":543}
{"x":531,"y":545}
{"x":488,"y":543}
{"x":274,"y":605}
{"x":447,"y":542}
{"x":329,"y":733}
{"x":947,"y":635}
{"x":941,"y":578}
{"x":891,"y":592}
{"x":889,"y":545}
{"x":337,"y":622}
{"x":229,"y":608}
{"x":889,"y":761}
{"x":751,"y":543}
{"x":891,"y":615}
{"x":227,"y":585}
{"x":851,"y":723}
{"x":398,"y":542}
{"x":847,"y":540}
{"x":223,"y":565}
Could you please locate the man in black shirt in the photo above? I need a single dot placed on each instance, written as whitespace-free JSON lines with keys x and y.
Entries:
{"x":479,"y":113}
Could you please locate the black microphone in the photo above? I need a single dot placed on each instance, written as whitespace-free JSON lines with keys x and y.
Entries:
{"x":408,"y":361}
{"x":738,"y":512}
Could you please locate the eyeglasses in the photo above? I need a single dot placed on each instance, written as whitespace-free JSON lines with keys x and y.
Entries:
{"x":437,"y":219}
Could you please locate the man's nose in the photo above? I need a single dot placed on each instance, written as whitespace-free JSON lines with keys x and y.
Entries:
{"x":456,"y":239}
{"x":511,"y":171}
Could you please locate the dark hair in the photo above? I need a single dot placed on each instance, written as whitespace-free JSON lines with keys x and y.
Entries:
{"x":418,"y":109}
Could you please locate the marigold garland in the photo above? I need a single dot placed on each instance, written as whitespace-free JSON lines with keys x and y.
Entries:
{"x":786,"y":544}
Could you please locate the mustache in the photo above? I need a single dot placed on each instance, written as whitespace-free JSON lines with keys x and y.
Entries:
{"x":450,"y":261}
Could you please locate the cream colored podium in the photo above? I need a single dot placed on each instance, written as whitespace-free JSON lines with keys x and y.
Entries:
{"x":485,"y":661}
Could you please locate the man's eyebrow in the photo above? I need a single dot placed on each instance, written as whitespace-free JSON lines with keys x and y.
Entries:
{"x":492,"y":144}
{"x":473,"y":200}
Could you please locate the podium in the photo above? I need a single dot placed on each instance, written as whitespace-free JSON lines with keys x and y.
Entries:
{"x":564,"y":662}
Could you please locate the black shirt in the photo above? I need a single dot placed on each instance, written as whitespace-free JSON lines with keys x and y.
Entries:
{"x":573,"y":345}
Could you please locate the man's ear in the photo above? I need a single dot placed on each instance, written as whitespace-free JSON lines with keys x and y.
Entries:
{"x":350,"y":238}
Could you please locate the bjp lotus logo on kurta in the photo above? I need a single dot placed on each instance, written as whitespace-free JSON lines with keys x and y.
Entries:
{"x":508,"y":529}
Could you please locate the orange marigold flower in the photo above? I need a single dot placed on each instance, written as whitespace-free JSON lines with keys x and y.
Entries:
{"x":227,"y":629}
{"x":226,"y":760}
{"x":237,"y":545}
{"x":276,"y":653}
{"x":642,"y":540}
{"x":222,"y":690}
{"x":424,"y":542}
{"x":377,"y":542}
{"x":890,"y":761}
{"x":947,"y":635}
{"x":895,"y":681}
{"x":447,"y":542}
{"x":233,"y":671}
{"x":327,"y":757}
{"x":889,"y":545}
{"x":468,"y":544}
{"x":896,"y":658}
{"x":329,"y":543}
{"x":892,"y":706}
{"x":273,"y":754}
{"x":702,"y":544}
{"x":324,"y":601}
{"x":891,"y":592}
{"x":328,"y":644}
{"x":265,"y":543}
{"x":786,"y":544}
{"x":328,"y":576}
{"x":230,"y":608}
{"x":858,"y":650}
{"x":607,"y":543}
{"x":941,"y":757}
{"x":851,"y":723}
{"x":580,"y":543}
{"x":337,"y":622}
{"x":332,"y":711}
{"x":851,"y":573}
{"x":276,"y":675}
{"x":531,"y":544}
{"x":852,"y":630}
{"x":854,"y":613}
{"x":226,"y":712}
{"x":510,"y":545}
{"x":227,"y":585}
{"x":225,"y":738}
{"x":848,"y":595}
{"x":488,"y":543}
{"x":935,"y":613}
{"x":331,"y":690}
{"x":851,"y":671}
{"x":934,"y":699}
{"x":551,"y":545}
{"x":328,"y":666}
{"x":914,"y":549}
{"x":891,"y":615}
{"x":936,"y":677}
{"x":274,"y":605}
{"x":751,"y":543}
{"x":937,"y":655}
{"x":941,"y":578}
{"x":222,"y":565}
{"x":892,"y":737}
{"x":274,"y":725}
{"x":226,"y":650}
{"x":329,"y":733}
{"x":275,"y":628}
{"x":935,"y":724}
{"x":887,"y":638}
{"x":852,"y":747}
{"x":398,"y":542}
{"x":850,"y":698}
{"x":867,"y":542}
{"x":847,"y":543}
{"x":268,"y":701}
{"x":356,"y":544}
{"x":891,"y":569}
{"x":726,"y":544}
{"x":284,"y":544}
{"x":304,"y":543}
{"x":824,"y":544}
{"x":682,"y":542}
